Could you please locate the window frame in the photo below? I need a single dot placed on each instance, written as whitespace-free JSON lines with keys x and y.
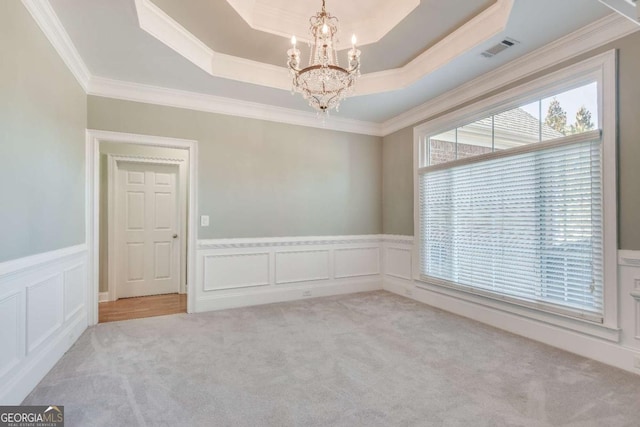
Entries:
{"x":601,"y":69}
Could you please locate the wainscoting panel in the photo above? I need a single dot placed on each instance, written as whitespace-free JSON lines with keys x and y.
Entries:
{"x":232,"y":271}
{"x":356,"y":262}
{"x":302,"y":266}
{"x":44,"y":310}
{"x":397,"y":262}
{"x":11,"y":350}
{"x":243,"y":272}
{"x":74,"y":290}
{"x":637,"y":310}
{"x":42,"y":313}
{"x":629,"y":276}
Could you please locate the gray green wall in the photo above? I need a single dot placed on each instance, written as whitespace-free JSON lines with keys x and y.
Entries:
{"x":265,"y":179}
{"x":42,"y":134}
{"x":398,"y":148}
{"x":397,"y":184}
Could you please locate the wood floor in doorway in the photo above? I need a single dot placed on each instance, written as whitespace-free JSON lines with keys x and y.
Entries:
{"x":137,"y":308}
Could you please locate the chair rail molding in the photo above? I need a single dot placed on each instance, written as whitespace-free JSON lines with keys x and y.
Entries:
{"x":50,"y":24}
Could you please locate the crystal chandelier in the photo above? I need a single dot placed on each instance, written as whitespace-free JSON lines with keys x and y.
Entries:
{"x":324,"y":83}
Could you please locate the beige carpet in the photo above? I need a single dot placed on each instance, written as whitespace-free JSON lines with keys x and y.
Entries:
{"x":371,"y":359}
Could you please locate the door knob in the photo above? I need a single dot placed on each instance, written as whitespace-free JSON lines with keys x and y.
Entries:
{"x":175,"y":236}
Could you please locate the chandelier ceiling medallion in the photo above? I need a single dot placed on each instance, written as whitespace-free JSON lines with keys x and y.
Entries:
{"x":324,"y":83}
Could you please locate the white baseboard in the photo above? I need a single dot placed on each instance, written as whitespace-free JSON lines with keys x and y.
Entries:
{"x":603,"y":351}
{"x":42,"y":313}
{"x":103,"y":297}
{"x":619,"y":348}
{"x":291,"y":293}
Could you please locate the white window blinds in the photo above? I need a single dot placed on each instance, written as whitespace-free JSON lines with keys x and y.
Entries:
{"x":523,"y":224}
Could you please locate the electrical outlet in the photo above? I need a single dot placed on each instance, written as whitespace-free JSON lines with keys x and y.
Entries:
{"x":306,"y":293}
{"x":204,"y":221}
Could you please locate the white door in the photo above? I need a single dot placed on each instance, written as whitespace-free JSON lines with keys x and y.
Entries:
{"x":147,"y":241}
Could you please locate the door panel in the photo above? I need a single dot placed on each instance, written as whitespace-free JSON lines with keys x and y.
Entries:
{"x":163,"y":179}
{"x":163,"y":261}
{"x":135,"y":177}
{"x":146,"y":221}
{"x":135,"y":211}
{"x":164,"y":213}
{"x":135,"y":261}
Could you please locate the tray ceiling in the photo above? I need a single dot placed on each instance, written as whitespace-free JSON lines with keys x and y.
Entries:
{"x":117,"y":51}
{"x":439,"y":49}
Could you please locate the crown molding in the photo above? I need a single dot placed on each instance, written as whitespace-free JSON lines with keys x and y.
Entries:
{"x":48,"y":21}
{"x":158,"y":24}
{"x":479,"y":29}
{"x":232,"y":107}
{"x":161,"y":26}
{"x":630,"y":9}
{"x":592,"y":36}
{"x":165,"y":29}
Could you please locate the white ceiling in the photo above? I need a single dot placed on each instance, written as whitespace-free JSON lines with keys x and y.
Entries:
{"x":108,"y":37}
{"x":284,"y":17}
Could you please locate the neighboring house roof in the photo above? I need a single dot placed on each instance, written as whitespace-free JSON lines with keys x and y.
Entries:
{"x":520,"y":121}
{"x":512,"y":128}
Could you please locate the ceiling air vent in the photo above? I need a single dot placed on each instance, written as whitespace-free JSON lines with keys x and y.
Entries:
{"x":503,"y":45}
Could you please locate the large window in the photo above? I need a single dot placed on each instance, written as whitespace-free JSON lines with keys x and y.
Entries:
{"x":511,"y":205}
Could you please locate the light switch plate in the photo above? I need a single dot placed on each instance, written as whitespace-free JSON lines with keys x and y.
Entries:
{"x":204,"y":220}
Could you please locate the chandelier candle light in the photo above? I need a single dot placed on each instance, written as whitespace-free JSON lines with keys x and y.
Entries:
{"x":324,"y":83}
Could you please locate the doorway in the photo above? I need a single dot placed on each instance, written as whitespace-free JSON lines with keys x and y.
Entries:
{"x":142,"y":208}
{"x":145,"y":253}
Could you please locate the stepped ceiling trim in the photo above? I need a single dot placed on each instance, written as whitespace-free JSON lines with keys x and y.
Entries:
{"x":592,"y":36}
{"x":484,"y":26}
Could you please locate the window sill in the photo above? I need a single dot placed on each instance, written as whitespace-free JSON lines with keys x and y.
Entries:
{"x":566,"y":322}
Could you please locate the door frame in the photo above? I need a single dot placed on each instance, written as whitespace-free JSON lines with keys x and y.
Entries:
{"x":92,"y":217}
{"x":113,"y":162}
